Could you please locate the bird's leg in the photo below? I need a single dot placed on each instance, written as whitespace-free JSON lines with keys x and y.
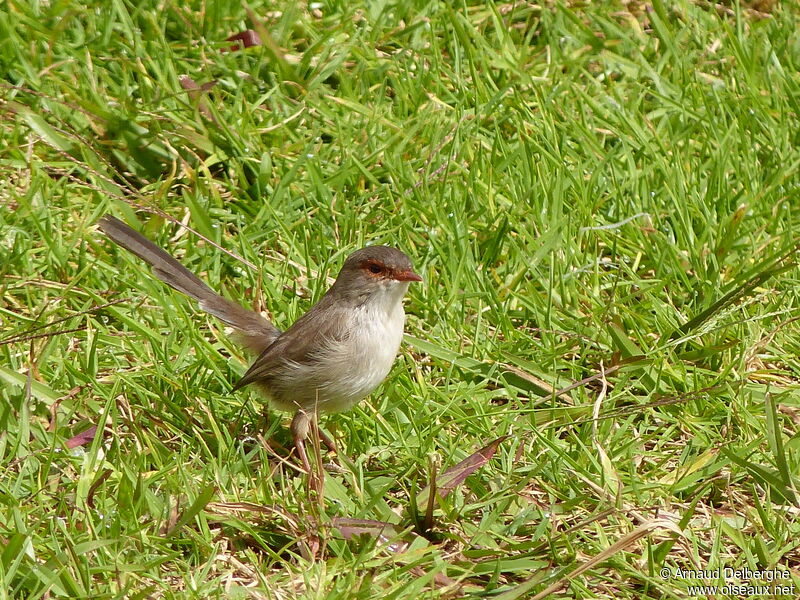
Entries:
{"x":327,"y":440}
{"x":300,"y":426}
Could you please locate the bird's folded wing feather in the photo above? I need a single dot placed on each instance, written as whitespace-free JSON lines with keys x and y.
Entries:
{"x":303,"y":343}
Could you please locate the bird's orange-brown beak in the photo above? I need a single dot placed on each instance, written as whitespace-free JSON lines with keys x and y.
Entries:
{"x":407,"y":275}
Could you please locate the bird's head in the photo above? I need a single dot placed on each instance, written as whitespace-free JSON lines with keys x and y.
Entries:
{"x":379,"y":271}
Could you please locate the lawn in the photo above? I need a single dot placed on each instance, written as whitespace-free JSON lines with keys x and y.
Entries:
{"x":597,"y":396}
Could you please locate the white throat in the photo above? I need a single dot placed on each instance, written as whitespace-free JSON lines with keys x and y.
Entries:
{"x":368,"y":357}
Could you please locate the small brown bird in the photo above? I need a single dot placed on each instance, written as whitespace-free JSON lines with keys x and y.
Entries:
{"x":333,"y":356}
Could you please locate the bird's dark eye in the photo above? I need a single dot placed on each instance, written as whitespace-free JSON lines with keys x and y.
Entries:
{"x":373,"y":268}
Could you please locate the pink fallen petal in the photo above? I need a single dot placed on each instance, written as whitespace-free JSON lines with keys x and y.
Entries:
{"x":248,"y":39}
{"x":457,"y":474}
{"x":380,"y":530}
{"x":84,"y":437}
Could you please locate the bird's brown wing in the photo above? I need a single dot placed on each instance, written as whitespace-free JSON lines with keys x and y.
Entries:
{"x":301,"y":343}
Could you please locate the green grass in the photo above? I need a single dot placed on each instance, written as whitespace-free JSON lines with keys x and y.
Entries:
{"x":588,"y":192}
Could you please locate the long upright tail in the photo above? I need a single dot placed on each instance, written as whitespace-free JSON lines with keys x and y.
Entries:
{"x":255,"y":331}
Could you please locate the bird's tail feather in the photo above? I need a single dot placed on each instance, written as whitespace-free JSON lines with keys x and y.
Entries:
{"x":255,"y":331}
